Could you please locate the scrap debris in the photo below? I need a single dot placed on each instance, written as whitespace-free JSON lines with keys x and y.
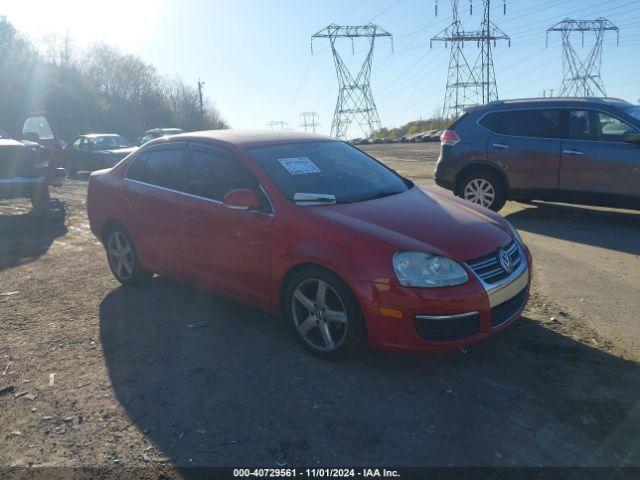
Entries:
{"x":7,"y":389}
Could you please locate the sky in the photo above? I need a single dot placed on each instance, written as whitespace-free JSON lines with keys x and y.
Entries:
{"x":255,"y":57}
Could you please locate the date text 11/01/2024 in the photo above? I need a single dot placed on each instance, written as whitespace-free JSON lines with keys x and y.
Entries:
{"x":316,"y":472}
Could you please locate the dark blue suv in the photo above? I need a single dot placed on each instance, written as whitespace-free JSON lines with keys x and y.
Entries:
{"x":575,"y":150}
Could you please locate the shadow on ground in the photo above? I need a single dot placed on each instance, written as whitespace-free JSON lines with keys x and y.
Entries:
{"x":243,"y":392}
{"x":610,"y":229}
{"x":26,"y":237}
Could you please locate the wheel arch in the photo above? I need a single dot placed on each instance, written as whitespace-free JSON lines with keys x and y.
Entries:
{"x":481,"y":167}
{"x":293,"y":270}
{"x":284,"y":283}
{"x":107,"y":226}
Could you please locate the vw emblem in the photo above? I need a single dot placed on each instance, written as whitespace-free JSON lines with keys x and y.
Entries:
{"x":505,"y":261}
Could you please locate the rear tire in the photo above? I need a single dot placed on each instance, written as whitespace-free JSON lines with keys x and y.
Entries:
{"x":123,"y":258}
{"x":325,"y":313}
{"x":483,"y":188}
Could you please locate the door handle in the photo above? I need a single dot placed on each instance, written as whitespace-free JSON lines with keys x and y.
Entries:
{"x":129,"y":201}
{"x":572,"y":152}
{"x":501,"y":146}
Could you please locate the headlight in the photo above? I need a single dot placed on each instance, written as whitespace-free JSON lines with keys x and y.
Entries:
{"x":419,"y":269}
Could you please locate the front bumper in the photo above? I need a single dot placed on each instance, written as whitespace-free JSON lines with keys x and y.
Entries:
{"x":441,"y":319}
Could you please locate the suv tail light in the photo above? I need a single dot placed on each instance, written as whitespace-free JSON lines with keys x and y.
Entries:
{"x":449,"y":137}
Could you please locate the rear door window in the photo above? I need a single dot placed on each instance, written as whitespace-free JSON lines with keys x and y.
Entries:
{"x":537,"y":123}
{"x":163,"y":168}
{"x":213,"y":172}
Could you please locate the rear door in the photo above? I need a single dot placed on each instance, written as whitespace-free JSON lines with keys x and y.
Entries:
{"x":597,"y":164}
{"x":526,"y":145}
{"x":224,"y":248}
{"x":153,"y":216}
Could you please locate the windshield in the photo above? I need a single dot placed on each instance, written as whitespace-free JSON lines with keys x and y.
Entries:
{"x":328,"y":168}
{"x":112,"y":141}
{"x":634,"y":111}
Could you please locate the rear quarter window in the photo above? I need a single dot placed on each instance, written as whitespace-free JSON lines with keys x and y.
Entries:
{"x":163,"y":168}
{"x":538,"y":123}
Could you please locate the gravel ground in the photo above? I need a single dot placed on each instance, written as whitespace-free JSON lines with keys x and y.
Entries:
{"x":107,"y":376}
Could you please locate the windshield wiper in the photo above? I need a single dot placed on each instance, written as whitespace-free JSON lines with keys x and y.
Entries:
{"x":309,"y":199}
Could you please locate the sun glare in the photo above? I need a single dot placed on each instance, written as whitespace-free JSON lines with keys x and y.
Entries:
{"x":118,"y":22}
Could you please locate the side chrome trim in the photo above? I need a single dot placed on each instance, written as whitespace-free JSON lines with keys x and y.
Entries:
{"x":458,"y":316}
{"x":508,"y":287}
{"x":209,"y":200}
{"x":567,"y":108}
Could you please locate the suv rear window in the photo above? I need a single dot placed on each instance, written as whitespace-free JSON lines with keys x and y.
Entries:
{"x":537,"y":123}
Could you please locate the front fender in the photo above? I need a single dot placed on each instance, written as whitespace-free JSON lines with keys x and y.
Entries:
{"x":342,"y":259}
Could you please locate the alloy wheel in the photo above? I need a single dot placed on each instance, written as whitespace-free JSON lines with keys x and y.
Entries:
{"x":480,"y":191}
{"x":120,"y":255}
{"x":319,"y":314}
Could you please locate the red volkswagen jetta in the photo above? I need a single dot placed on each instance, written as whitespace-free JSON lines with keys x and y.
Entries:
{"x":316,"y":229}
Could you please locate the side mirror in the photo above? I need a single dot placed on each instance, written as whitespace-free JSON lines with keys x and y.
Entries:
{"x":31,"y":136}
{"x":631,"y":137}
{"x":242,"y":199}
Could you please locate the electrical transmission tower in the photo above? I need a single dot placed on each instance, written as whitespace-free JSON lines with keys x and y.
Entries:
{"x":581,"y":77}
{"x":276,"y":125}
{"x":355,"y":100}
{"x":309,"y":121}
{"x":470,"y":83}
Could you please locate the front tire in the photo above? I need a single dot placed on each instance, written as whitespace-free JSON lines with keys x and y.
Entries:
{"x":325,"y":313}
{"x":483,"y":188}
{"x":40,"y":199}
{"x":123,"y":258}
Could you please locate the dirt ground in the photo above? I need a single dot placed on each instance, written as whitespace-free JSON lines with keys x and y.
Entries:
{"x":107,"y":376}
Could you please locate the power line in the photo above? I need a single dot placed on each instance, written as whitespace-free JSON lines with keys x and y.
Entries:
{"x":309,"y":121}
{"x":355,"y":99}
{"x":470,"y":83}
{"x":581,"y":77}
{"x":277,"y":125}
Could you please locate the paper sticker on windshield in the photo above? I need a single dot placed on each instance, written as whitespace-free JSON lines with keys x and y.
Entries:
{"x":299,"y":165}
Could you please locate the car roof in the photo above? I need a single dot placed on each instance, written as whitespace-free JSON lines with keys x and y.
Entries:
{"x":252,"y":138}
{"x":551,"y":102}
{"x":94,"y":135}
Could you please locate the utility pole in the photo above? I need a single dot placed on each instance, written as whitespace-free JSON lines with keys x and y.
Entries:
{"x":200,"y":85}
{"x":276,"y":125}
{"x":355,"y":99}
{"x":581,"y":77}
{"x":309,"y":121}
{"x":469,"y":83}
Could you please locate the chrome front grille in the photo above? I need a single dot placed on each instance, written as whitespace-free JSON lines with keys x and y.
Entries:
{"x":489,"y":269}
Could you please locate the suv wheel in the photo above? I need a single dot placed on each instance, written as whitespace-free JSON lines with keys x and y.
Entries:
{"x":483,"y":188}
{"x":325,"y":313}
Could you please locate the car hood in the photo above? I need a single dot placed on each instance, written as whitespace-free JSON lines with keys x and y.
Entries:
{"x":425,"y":220}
